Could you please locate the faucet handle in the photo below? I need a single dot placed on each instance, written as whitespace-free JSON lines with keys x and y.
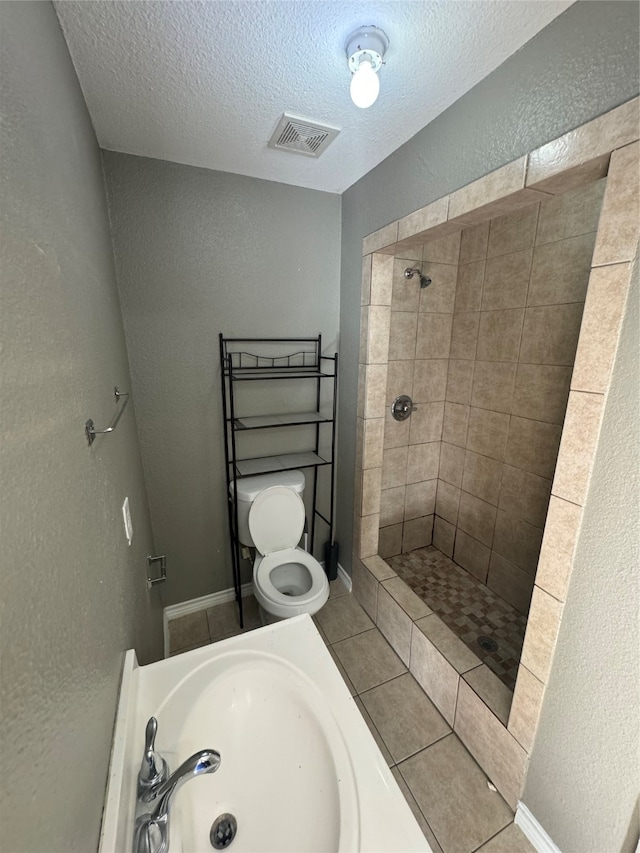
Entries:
{"x":153,"y":770}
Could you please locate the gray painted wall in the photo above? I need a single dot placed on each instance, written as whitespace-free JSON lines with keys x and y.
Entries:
{"x":581,"y":65}
{"x":197,"y":253}
{"x":582,"y":783}
{"x":73,"y":593}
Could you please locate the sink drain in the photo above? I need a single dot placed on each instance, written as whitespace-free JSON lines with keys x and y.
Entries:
{"x":223,"y":831}
{"x":488,"y":644}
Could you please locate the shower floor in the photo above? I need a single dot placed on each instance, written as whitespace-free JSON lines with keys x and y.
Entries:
{"x":469,"y":608}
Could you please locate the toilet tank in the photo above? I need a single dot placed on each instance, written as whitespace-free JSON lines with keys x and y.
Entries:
{"x":250,"y":487}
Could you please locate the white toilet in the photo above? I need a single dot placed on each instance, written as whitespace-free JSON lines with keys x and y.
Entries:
{"x":287,"y":580}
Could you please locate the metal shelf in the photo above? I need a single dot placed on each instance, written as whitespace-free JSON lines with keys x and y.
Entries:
{"x":274,"y":359}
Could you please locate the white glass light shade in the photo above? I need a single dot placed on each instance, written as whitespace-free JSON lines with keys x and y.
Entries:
{"x":365,"y":85}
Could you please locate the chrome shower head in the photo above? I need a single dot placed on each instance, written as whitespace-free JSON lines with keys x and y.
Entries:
{"x":425,"y":281}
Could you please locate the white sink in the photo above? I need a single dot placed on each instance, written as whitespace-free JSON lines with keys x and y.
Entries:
{"x":300,"y":770}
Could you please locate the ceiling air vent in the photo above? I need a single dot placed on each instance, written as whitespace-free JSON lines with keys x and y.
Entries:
{"x":301,"y":136}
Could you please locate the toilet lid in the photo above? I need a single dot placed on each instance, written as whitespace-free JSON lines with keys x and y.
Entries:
{"x":276,"y":519}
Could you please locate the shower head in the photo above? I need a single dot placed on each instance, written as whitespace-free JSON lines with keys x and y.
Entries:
{"x":425,"y":281}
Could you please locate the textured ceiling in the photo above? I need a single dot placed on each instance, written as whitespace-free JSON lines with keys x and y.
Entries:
{"x":205,"y":83}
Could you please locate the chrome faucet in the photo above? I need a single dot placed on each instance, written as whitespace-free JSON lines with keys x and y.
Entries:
{"x":151,"y":832}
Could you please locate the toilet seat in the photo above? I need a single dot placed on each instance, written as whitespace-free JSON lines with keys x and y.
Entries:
{"x":280,"y":604}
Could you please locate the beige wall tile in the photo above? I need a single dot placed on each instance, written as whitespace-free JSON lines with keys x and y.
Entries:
{"x":543,"y":625}
{"x":560,"y":271}
{"x":365,"y":587}
{"x":442,"y":250}
{"x":380,"y":239}
{"x":502,"y":182}
{"x":399,"y":379}
{"x":447,"y":643}
{"x":451,"y":463}
{"x":493,"y":384}
{"x":379,"y":569}
{"x":459,"y":381}
{"x":487,"y":433}
{"x":402,"y":336}
{"x":481,"y":477}
{"x":394,"y":624}
{"x":392,"y":506}
{"x":375,"y":377}
{"x":365,"y":287}
{"x":406,"y":292}
{"x":550,"y":334}
{"x":507,"y":204}
{"x":568,"y":215}
{"x":444,"y":535}
{"x":425,"y":424}
{"x":371,"y":486}
{"x":595,"y":139}
{"x":506,"y":281}
{"x":421,"y":220}
{"x":434,"y":335}
{"x":390,"y":540}
{"x":477,"y":518}
{"x":377,"y":341}
{"x":366,"y":535}
{"x":469,"y":287}
{"x":464,"y":335}
{"x":454,"y":427}
{"x":533,"y":446}
{"x":381,"y":279}
{"x":498,"y":753}
{"x":618,"y":229}
{"x":471,"y":555}
{"x":372,"y":442}
{"x":420,"y":499}
{"x":417,"y":533}
{"x":434,"y":674}
{"x":517,"y":541}
{"x":439,"y":296}
{"x":364,"y":334}
{"x":577,"y":448}
{"x":525,"y":708}
{"x":603,"y":311}
{"x":541,"y":392}
{"x":499,"y":335}
{"x":410,"y":248}
{"x":578,"y":176}
{"x":473,"y":246}
{"x":510,"y":582}
{"x":448,"y":501}
{"x":514,"y":232}
{"x":430,"y":380}
{"x":524,"y":495}
{"x":424,"y":462}
{"x":394,"y":467}
{"x":396,"y":433}
{"x":493,"y":692}
{"x":412,"y":605}
{"x":558,"y":546}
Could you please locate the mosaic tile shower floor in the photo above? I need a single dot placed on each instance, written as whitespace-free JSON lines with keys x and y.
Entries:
{"x":469,"y":608}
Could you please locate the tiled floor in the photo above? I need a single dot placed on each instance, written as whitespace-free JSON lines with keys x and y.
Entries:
{"x":468,"y":607}
{"x":445,"y":788}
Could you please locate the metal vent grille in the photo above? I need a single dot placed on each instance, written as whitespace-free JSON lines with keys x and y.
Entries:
{"x":301,"y":136}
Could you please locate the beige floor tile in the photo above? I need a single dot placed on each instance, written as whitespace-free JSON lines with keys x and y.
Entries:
{"x":368,"y":659}
{"x":510,"y":840}
{"x":337,"y":588}
{"x":404,"y":716}
{"x":378,"y":568}
{"x":452,"y":792}
{"x":415,"y":808}
{"x":376,"y":734}
{"x":342,"y":672}
{"x":342,"y":617}
{"x":189,"y":648}
{"x":186,"y":631}
{"x":224,"y":621}
{"x":411,"y":603}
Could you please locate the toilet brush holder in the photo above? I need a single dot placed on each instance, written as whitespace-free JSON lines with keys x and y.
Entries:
{"x":331,"y":560}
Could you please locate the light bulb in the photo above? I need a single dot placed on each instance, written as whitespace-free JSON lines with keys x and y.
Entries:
{"x":365,"y":85}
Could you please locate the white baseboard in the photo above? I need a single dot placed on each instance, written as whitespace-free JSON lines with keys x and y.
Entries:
{"x":174,"y":611}
{"x":534,"y":831}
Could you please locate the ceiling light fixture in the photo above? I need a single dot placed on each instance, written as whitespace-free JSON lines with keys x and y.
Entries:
{"x":365,"y":52}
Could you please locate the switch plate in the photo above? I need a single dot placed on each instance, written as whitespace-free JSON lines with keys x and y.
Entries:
{"x":128,"y":526}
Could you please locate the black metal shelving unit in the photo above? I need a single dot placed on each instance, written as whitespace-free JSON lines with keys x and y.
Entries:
{"x":250,"y":360}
